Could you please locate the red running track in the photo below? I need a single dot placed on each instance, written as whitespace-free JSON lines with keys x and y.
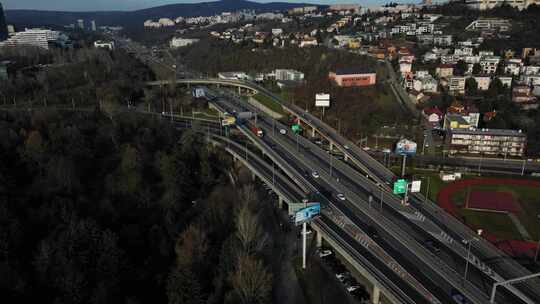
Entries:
{"x":514,"y":248}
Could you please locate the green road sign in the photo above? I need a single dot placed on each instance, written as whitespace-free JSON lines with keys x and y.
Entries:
{"x":296,"y":128}
{"x":400,"y":186}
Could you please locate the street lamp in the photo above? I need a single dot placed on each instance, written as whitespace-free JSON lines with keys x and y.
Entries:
{"x":537,"y":247}
{"x":468,"y":243}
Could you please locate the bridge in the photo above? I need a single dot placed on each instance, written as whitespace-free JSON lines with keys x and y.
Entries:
{"x":403,"y":227}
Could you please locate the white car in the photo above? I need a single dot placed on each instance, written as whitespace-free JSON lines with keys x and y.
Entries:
{"x":315,"y":174}
{"x":352,"y":288}
{"x":341,"y":197}
{"x":346,"y":147}
{"x":324,"y":253}
{"x":283,"y":131}
{"x":386,"y":151}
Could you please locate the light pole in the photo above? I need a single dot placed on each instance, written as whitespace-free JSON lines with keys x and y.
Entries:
{"x":469,"y":242}
{"x":537,"y":247}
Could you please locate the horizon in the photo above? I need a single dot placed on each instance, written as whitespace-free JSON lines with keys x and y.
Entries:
{"x":133,"y":5}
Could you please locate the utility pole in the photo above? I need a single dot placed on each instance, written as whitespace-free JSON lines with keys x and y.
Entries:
{"x":403,"y":165}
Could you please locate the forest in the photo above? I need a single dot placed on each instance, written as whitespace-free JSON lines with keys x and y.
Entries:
{"x":126,"y":210}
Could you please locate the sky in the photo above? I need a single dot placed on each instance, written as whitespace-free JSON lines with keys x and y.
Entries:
{"x":101,"y":5}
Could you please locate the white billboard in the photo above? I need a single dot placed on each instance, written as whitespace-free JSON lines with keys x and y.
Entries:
{"x":415,"y":186}
{"x":322,"y":100}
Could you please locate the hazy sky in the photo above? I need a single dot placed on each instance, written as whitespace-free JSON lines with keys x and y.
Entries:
{"x":86,"y":5}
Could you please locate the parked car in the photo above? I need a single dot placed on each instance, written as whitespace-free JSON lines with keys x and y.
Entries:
{"x":432,"y":246}
{"x":283,"y":131}
{"x":341,"y":197}
{"x":324,"y":252}
{"x":343,"y":276}
{"x":315,"y":174}
{"x":346,"y":147}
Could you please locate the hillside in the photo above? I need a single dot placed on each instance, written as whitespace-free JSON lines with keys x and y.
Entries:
{"x":134,"y":18}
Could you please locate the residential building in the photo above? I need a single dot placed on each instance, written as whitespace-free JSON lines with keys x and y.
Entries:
{"x":356,"y":77}
{"x":104,"y":44}
{"x":233,"y":75}
{"x":308,"y":41}
{"x":522,"y":95}
{"x":455,"y":121}
{"x":489,"y":64}
{"x":487,"y":142}
{"x":489,"y":4}
{"x":513,"y":66}
{"x":290,"y":75}
{"x":444,"y":71}
{"x":483,"y":82}
{"x":443,"y":40}
{"x":277,"y":31}
{"x":80,"y":24}
{"x":35,"y":37}
{"x":433,"y":116}
{"x":456,"y":85}
{"x":181,"y":42}
{"x":425,"y":83}
{"x":492,"y":24}
{"x":505,"y":80}
{"x":93,"y":25}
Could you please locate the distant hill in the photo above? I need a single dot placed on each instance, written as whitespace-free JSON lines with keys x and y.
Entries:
{"x":133,"y":18}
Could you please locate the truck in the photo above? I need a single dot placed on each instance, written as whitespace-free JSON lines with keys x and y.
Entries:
{"x":244,"y":115}
{"x":228,"y":121}
{"x":257,"y":131}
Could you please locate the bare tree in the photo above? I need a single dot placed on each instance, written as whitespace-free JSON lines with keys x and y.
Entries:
{"x":251,"y":281}
{"x":249,"y":231}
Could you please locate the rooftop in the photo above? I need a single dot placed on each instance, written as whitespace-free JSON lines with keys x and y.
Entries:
{"x":354,"y":70}
{"x":499,"y":132}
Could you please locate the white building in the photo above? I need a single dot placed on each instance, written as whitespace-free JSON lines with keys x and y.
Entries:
{"x":489,"y":4}
{"x":286,"y":74}
{"x":35,"y":37}
{"x":483,"y":82}
{"x":489,"y":64}
{"x":180,"y":42}
{"x":166,"y":22}
{"x":456,"y":85}
{"x":104,"y":44}
{"x":502,"y":25}
{"x":277,"y":31}
{"x":233,"y":75}
{"x":513,"y":66}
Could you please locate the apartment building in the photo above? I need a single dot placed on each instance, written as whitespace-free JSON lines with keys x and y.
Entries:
{"x":488,"y":142}
{"x":289,"y":75}
{"x":489,"y":4}
{"x":456,"y":85}
{"x":35,"y":37}
{"x":489,"y":64}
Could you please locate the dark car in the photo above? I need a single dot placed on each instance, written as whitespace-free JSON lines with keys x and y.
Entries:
{"x":372,"y":232}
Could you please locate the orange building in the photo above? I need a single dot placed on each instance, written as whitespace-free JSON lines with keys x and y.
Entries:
{"x":353,"y":77}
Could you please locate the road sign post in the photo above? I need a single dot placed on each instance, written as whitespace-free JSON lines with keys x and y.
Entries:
{"x":303,"y":216}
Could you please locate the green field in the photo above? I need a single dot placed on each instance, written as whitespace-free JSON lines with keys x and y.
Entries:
{"x":269,"y":103}
{"x":528,"y":198}
{"x":498,"y":224}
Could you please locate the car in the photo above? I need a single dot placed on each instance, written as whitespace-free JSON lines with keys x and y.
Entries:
{"x":432,"y":246}
{"x":315,"y":174}
{"x":340,"y":196}
{"x":366,"y":148}
{"x":283,"y":131}
{"x":342,"y":276}
{"x":352,"y":288}
{"x":324,"y":252}
{"x":346,"y":147}
{"x":386,"y":151}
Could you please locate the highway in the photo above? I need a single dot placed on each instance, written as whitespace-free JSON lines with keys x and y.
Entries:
{"x":499,"y":266}
{"x":386,"y":225}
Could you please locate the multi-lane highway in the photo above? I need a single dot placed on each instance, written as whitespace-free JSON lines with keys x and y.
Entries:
{"x":415,"y":223}
{"x":387,"y":226}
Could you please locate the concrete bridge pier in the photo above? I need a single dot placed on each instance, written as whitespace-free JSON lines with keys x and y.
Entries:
{"x":375,"y":295}
{"x":280,"y":202}
{"x":319,"y":240}
{"x":313,"y":132}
